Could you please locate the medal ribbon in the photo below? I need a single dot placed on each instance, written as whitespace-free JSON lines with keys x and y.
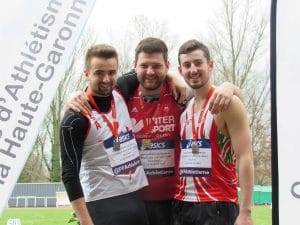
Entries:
{"x":196,"y":131}
{"x":114,"y":127}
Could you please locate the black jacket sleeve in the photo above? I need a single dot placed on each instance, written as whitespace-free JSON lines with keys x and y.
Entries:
{"x":73,"y":129}
{"x":127,"y":84}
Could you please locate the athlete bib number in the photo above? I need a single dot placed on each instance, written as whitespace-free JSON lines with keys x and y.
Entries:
{"x":195,"y":163}
{"x":127,"y":159}
{"x":158,"y":158}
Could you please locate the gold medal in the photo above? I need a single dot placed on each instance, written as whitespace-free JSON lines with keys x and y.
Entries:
{"x":146,"y":143}
{"x":116,"y":145}
{"x":195,"y":148}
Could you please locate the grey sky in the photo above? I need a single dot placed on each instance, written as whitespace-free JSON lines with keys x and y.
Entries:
{"x":184,"y":18}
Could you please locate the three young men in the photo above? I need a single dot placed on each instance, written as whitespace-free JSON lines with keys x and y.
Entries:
{"x":155,"y":118}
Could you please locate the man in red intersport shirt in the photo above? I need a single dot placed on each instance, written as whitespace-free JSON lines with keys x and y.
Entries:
{"x":215,"y":148}
{"x":155,"y":116}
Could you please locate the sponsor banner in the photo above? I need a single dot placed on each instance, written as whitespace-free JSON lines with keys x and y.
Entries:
{"x":42,"y":36}
{"x":288,"y":109}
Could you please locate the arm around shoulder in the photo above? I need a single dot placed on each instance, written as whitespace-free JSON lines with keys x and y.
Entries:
{"x":222,"y":97}
{"x":180,"y":89}
{"x":127,"y":84}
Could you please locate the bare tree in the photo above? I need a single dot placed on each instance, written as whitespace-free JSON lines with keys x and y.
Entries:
{"x":34,"y":169}
{"x":142,"y":27}
{"x":237,"y":40}
{"x":48,"y":138}
{"x":47,"y":146}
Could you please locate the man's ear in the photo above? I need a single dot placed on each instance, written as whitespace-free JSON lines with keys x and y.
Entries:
{"x":180,"y":70}
{"x":86,"y":72}
{"x":211,"y":64}
{"x":168,"y":64}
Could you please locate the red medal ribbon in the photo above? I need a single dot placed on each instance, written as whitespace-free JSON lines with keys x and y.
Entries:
{"x":114,"y":127}
{"x":196,"y":131}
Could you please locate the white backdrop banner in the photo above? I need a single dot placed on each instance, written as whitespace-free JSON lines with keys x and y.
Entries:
{"x":37,"y":40}
{"x":288,"y":110}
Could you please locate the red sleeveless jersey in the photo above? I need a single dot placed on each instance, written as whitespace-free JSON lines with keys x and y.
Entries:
{"x":206,"y":171}
{"x":156,"y":128}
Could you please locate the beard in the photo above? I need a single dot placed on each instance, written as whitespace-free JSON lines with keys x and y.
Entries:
{"x":105,"y":93}
{"x":151,"y":85}
{"x":102,"y":92}
{"x":196,"y":85}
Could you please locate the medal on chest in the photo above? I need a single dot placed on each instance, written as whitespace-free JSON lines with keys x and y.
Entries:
{"x":196,"y":128}
{"x":116,"y":145}
{"x":146,"y":143}
{"x":195,"y":148}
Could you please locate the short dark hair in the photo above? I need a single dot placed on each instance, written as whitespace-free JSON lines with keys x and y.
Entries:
{"x":192,"y":45}
{"x":100,"y":51}
{"x":151,"y":45}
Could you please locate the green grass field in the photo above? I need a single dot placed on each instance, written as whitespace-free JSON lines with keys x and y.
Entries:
{"x":54,"y":216}
{"x":38,"y":216}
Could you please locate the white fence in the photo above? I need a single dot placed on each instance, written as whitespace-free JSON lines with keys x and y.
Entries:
{"x":31,"y":201}
{"x":38,"y":195}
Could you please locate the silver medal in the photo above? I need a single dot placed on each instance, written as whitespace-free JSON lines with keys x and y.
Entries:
{"x":116,"y":145}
